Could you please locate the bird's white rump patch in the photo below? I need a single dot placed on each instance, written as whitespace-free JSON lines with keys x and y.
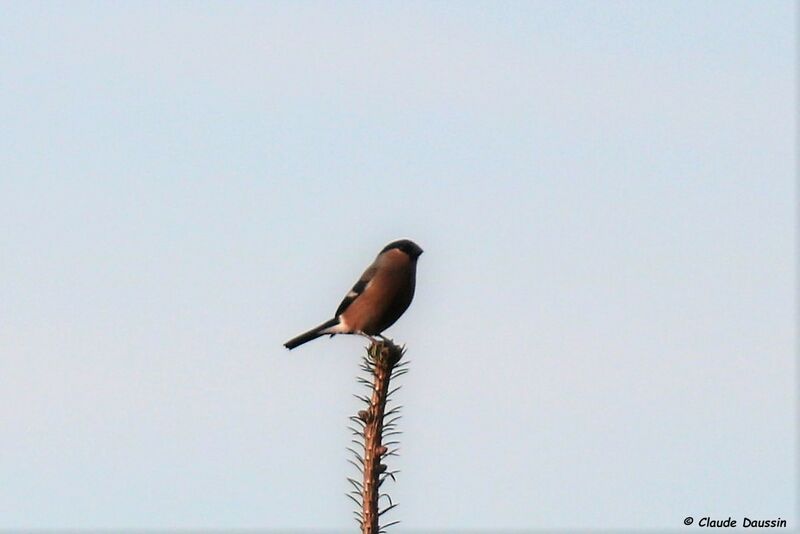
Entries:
{"x":339,"y":328}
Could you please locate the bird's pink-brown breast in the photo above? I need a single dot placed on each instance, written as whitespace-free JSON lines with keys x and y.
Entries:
{"x":386,"y":296}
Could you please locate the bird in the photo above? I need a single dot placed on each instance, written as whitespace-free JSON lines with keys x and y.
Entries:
{"x":377,"y":300}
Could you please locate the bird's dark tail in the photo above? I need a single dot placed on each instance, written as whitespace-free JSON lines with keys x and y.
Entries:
{"x":314,"y":333}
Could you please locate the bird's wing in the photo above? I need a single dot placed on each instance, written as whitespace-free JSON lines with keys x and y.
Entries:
{"x":358,"y":288}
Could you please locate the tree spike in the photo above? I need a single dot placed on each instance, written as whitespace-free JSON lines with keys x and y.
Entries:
{"x":382,"y":363}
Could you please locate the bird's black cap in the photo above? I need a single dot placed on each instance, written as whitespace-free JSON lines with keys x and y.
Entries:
{"x":406,"y":245}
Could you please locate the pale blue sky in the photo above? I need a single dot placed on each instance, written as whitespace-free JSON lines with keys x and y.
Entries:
{"x":603,"y":330}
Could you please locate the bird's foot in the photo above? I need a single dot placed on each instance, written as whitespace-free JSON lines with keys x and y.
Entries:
{"x":372,"y":339}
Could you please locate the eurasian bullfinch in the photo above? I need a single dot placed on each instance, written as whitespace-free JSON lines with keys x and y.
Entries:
{"x":379,"y":297}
